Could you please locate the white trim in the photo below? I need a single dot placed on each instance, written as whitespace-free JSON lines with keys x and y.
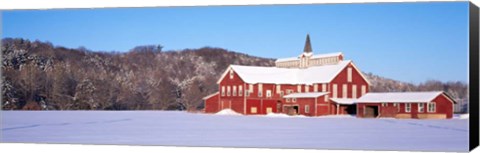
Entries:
{"x":305,"y":109}
{"x":344,"y":91}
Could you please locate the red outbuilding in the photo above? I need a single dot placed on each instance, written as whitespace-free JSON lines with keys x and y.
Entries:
{"x":421,"y":105}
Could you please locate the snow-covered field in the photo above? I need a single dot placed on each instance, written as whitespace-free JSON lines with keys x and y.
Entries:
{"x":173,"y":128}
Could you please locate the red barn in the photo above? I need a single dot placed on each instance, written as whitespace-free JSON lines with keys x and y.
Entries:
{"x":315,"y":85}
{"x":421,"y":105}
{"x":300,"y":85}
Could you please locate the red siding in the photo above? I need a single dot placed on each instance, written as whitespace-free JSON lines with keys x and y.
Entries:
{"x":211,"y":104}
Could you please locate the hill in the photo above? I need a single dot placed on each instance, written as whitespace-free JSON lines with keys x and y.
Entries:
{"x":39,"y":75}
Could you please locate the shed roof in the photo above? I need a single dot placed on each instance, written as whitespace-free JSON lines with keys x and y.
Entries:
{"x":305,"y":95}
{"x":399,"y":97}
{"x":345,"y":101}
{"x":211,"y":95}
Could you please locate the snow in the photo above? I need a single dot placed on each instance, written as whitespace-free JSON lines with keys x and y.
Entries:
{"x":327,"y":55}
{"x":305,"y":95}
{"x":177,"y":128}
{"x":461,"y":116}
{"x":309,"y":54}
{"x":274,"y":75}
{"x":399,"y":97}
{"x":227,"y":112}
{"x":346,"y":101}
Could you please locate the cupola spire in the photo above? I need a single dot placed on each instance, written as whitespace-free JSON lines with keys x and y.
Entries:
{"x":308,"y":46}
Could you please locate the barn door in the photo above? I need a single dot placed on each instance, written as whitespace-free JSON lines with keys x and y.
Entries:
{"x":371,"y":111}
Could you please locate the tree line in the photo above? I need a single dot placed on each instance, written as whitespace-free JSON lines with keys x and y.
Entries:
{"x":39,"y":75}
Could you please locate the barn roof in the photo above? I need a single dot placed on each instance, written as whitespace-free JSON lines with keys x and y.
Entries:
{"x":313,"y":57}
{"x":346,"y":101}
{"x":274,"y":75}
{"x":305,"y":95}
{"x":400,"y":97}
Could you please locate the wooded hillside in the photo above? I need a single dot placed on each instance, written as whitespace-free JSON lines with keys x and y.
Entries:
{"x":39,"y":75}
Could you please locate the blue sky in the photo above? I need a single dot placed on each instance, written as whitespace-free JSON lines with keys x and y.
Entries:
{"x":411,"y":42}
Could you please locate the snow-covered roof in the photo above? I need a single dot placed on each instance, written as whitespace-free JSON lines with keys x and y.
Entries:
{"x":399,"y":97}
{"x":275,"y":75}
{"x":286,"y":59}
{"x":211,"y":95}
{"x":346,"y":101}
{"x":309,"y":54}
{"x":305,"y":95}
{"x":327,"y":55}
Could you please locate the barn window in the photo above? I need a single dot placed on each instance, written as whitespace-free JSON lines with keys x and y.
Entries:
{"x":294,"y":99}
{"x":250,"y":88}
{"x":396,"y":105}
{"x":234,"y":92}
{"x":324,"y":87}
{"x":384,"y":104}
{"x":299,"y":88}
{"x":307,"y":109}
{"x":334,"y":90}
{"x":278,"y":89}
{"x":240,"y":90}
{"x":326,"y":98}
{"x":315,"y":88}
{"x":260,"y":90}
{"x":307,"y":88}
{"x":349,"y":74}
{"x":253,"y":110}
{"x":431,"y":107}
{"x":407,"y":107}
{"x":223,"y":90}
{"x":289,"y":91}
{"x":287,"y":99}
{"x":269,"y":93}
{"x":420,"y":107}
{"x":354,"y":91}
{"x":344,"y":90}
{"x":282,"y":93}
{"x":228,"y":90}
{"x":364,"y":90}
{"x":231,"y":74}
{"x":269,"y":110}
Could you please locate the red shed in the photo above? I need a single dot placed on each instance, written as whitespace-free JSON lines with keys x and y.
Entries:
{"x":421,"y":105}
{"x":211,"y":103}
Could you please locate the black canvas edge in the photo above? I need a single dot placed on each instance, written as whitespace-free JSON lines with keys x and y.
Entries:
{"x":473,"y":77}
